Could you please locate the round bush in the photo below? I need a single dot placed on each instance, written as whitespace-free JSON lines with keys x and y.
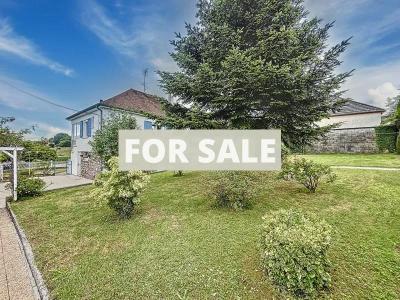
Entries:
{"x":231,"y":189}
{"x":294,"y":252}
{"x":120,"y":189}
{"x":28,"y":187}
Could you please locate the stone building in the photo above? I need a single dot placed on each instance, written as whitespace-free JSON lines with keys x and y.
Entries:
{"x":356,"y":130}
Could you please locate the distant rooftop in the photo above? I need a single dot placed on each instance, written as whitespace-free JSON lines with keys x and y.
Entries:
{"x":130,"y":100}
{"x":353,"y":107}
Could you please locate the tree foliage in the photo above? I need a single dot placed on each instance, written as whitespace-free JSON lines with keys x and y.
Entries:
{"x":36,"y":150}
{"x":105,"y":142}
{"x":8,"y":136}
{"x":254,"y":64}
{"x":62,"y":140}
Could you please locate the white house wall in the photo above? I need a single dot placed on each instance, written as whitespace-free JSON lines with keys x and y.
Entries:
{"x":354,"y":121}
{"x":82,"y":144}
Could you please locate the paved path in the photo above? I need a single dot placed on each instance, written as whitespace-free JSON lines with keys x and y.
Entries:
{"x":52,"y":183}
{"x":16,"y":281}
{"x":366,"y":168}
{"x":64,"y":181}
{"x":3,"y":195}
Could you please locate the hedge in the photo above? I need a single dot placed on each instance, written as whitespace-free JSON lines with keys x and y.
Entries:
{"x":386,"y":137}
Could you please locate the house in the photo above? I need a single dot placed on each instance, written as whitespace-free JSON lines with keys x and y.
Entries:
{"x":86,"y":122}
{"x":356,"y":130}
{"x":355,"y":114}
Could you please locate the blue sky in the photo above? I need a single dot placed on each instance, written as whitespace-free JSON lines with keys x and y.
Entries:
{"x":78,"y":52}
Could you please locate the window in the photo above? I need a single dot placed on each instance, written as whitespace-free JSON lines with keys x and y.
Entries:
{"x":83,"y":129}
{"x":148,"y":125}
{"x":76,"y":130}
{"x":89,"y":126}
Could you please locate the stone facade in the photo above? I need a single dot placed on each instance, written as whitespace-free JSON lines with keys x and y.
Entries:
{"x":355,"y":140}
{"x":90,"y":166}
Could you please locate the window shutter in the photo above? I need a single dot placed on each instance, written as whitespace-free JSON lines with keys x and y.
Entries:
{"x":148,"y":125}
{"x":81,"y":129}
{"x":89,"y":127}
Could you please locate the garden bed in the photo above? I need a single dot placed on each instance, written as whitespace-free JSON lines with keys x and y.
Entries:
{"x":179,"y":246}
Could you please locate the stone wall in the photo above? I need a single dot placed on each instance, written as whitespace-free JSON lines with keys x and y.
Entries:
{"x":356,"y":140}
{"x":90,"y":166}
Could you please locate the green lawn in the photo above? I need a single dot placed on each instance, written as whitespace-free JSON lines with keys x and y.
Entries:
{"x":178,"y":246}
{"x":357,"y":160}
{"x":63,"y":153}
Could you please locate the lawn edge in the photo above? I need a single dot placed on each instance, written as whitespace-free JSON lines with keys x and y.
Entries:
{"x":29,"y":256}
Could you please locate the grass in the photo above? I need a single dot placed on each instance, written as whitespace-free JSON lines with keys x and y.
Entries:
{"x":178,"y":246}
{"x":357,"y":160}
{"x":63,"y":153}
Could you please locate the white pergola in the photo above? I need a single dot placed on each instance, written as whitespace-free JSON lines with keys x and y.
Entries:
{"x":12,"y":152}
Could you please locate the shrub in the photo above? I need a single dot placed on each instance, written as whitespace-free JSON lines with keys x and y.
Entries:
{"x":35,"y":150}
{"x":308,"y":173}
{"x":232,"y":189}
{"x":121,"y":190}
{"x":386,"y":138}
{"x":105,"y":141}
{"x":285,"y":152}
{"x":294,"y":252}
{"x":28,"y":187}
{"x":178,"y":173}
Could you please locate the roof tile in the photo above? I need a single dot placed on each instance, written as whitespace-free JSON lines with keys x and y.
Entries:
{"x":136,"y":101}
{"x":354,"y":107}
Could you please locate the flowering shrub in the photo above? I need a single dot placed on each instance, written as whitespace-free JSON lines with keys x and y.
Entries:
{"x":294,"y":252}
{"x":308,"y":173}
{"x":232,"y":189}
{"x":121,"y":190}
{"x":28,"y":187}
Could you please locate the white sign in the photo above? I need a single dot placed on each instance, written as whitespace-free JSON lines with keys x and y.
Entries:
{"x":200,"y":150}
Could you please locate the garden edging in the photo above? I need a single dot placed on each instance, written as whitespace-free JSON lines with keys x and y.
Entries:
{"x":27,"y":250}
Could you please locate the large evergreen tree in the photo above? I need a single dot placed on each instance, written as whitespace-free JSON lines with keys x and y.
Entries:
{"x":254,"y":64}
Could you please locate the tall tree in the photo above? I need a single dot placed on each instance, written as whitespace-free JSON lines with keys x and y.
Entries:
{"x":254,"y":64}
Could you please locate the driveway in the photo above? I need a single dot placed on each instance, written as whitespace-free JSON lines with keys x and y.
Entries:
{"x":64,"y":181}
{"x":52,"y":183}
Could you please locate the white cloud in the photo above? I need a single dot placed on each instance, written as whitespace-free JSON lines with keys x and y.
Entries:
{"x":164,"y":64}
{"x":14,"y":44}
{"x":145,"y":36}
{"x":123,"y":39}
{"x":46,"y":130}
{"x":324,"y":9}
{"x":41,"y":129}
{"x":382,"y":92}
{"x":374,"y":84}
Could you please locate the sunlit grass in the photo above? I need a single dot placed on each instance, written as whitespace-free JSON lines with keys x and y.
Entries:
{"x":357,"y":160}
{"x":179,"y":246}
